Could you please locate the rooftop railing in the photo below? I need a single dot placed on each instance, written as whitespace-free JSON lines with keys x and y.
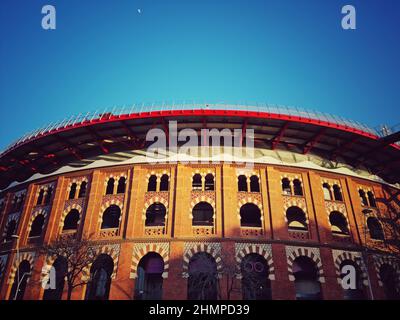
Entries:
{"x":187,"y":105}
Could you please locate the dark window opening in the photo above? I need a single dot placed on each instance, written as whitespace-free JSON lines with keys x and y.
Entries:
{"x":296,"y":218}
{"x":338,"y":223}
{"x":255,"y":282}
{"x":286,"y":190}
{"x":363,"y":198}
{"x":152,"y":185}
{"x":297,"y":188}
{"x":11,"y":229}
{"x":37,"y":226}
{"x":99,"y":284}
{"x":371,"y":199}
{"x":209,"y":182}
{"x":149,"y":281}
{"x":306,"y":279}
{"x":40,"y":197}
{"x":390,"y":282}
{"x":110,"y":186}
{"x":164,"y":183}
{"x":203,"y":214}
{"x":327,"y":191}
{"x":20,"y":280}
{"x":250,"y":216}
{"x":337,"y":193}
{"x":254,"y":184}
{"x":82,"y":190}
{"x":121,"y":185}
{"x":60,"y":266}
{"x":71,"y":220}
{"x":375,"y":229}
{"x":72,"y":191}
{"x":242,"y":183}
{"x":203,"y":277}
{"x":155,"y":215}
{"x":48,"y":195}
{"x":196,"y":182}
{"x":111,"y":217}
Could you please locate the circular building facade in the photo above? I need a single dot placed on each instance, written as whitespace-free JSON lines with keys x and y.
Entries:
{"x":178,"y":202}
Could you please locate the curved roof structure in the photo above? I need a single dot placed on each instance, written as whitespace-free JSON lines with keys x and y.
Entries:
{"x":296,"y":130}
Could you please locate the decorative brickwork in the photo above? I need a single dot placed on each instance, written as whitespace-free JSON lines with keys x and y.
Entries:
{"x":113,"y":250}
{"x":141,"y":249}
{"x":265,"y":250}
{"x":293,"y":252}
{"x":28,"y":256}
{"x":380,"y":260}
{"x":191,"y":248}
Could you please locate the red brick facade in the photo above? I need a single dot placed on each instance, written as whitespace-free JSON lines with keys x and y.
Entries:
{"x":226,"y":240}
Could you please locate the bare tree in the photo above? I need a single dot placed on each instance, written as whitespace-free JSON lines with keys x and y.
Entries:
{"x":78,"y":255}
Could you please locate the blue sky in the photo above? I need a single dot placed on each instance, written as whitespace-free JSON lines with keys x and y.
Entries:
{"x":105,"y":53}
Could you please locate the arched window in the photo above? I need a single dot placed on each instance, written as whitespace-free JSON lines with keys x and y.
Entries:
{"x":297,"y":188}
{"x":390,"y":281}
{"x":255,"y":282}
{"x":363,"y":198}
{"x":11,"y":229}
{"x":72,"y":191}
{"x":286,"y":190}
{"x":152,"y":184}
{"x":40,"y":197}
{"x":164,"y":183}
{"x":337,"y":193}
{"x":60,"y":267}
{"x":296,"y":218}
{"x":250,"y":216}
{"x":358,"y":292}
{"x":371,"y":199}
{"x":254,"y":184}
{"x":82,"y":189}
{"x":49,"y":194}
{"x":242,"y":183}
{"x":110,"y":186}
{"x":327,"y":191}
{"x":111,"y":217}
{"x":98,"y":287}
{"x":375,"y":229}
{"x":149,"y":281}
{"x":338,"y":223}
{"x":21,"y":277}
{"x":37,"y":226}
{"x":196,"y":182}
{"x":203,"y":277}
{"x":71,"y":220}
{"x":203,"y":214}
{"x":155,"y":215}
{"x":121,"y":185}
{"x":209,"y":182}
{"x":306,"y":279}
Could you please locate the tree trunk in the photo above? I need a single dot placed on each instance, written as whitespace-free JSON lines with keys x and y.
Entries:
{"x":70,"y":288}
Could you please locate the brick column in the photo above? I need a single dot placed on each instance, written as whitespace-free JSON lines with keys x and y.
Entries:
{"x":56,"y":211}
{"x":90,"y":219}
{"x":282,"y":288}
{"x":230,"y":202}
{"x":122,"y":287}
{"x":175,"y":286}
{"x":277,"y":215}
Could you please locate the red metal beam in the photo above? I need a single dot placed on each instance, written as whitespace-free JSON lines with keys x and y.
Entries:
{"x":275,"y":141}
{"x":343,"y":147}
{"x":310,"y":144}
